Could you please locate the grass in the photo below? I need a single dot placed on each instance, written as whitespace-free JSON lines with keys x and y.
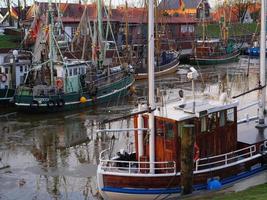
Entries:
{"x":9,"y":41}
{"x":237,"y":29}
{"x":255,"y":193}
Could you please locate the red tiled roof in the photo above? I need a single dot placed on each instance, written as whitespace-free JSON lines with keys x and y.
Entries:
{"x":73,"y":13}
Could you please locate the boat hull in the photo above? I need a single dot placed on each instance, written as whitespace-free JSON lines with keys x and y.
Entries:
{"x":69,"y":102}
{"x":214,"y":60}
{"x":173,"y":69}
{"x":6,"y":96}
{"x":146,"y":187}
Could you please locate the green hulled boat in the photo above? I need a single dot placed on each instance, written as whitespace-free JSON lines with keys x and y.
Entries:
{"x":60,"y":84}
{"x":213,"y":52}
{"x":78,"y":87}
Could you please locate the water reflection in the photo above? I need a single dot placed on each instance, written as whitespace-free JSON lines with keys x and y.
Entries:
{"x":55,"y":156}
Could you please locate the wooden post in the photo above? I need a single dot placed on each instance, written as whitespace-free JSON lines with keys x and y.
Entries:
{"x":187,"y":155}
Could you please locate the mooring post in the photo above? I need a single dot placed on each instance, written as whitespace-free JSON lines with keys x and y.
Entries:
{"x":187,"y":158}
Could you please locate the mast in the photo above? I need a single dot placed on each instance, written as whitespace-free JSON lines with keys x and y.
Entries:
{"x":157,"y":32}
{"x":51,"y":41}
{"x":151,"y":97}
{"x":203,"y":22}
{"x":126,"y":25}
{"x":100,"y":32}
{"x":9,"y":13}
{"x":262,"y":65}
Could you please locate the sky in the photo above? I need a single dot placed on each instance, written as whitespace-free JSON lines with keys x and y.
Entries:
{"x":114,"y":2}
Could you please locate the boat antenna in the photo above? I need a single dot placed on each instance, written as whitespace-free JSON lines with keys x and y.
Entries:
{"x":151,"y":90}
{"x":262,"y":82}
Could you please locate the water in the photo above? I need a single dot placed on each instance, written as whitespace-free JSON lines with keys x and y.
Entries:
{"x":55,"y":156}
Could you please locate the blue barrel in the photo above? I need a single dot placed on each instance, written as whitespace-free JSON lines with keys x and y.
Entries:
{"x":214,"y":184}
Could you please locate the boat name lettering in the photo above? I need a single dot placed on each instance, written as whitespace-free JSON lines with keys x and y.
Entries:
{"x":42,"y":99}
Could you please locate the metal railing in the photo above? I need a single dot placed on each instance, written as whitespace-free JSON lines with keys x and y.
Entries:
{"x":134,"y":167}
{"x":225,"y":159}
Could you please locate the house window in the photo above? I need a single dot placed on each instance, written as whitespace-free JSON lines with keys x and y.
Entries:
{"x":203,"y":124}
{"x":6,"y":70}
{"x":230,"y":116}
{"x":191,"y":28}
{"x":183,"y":28}
{"x":21,"y":69}
{"x":70,"y":72}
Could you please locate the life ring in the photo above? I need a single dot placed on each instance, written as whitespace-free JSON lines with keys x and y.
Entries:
{"x":60,"y":103}
{"x":196,"y":152}
{"x":3,"y":77}
{"x":59,"y":83}
{"x":50,"y":103}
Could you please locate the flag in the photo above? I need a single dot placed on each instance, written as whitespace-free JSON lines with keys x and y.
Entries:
{"x":182,"y":5}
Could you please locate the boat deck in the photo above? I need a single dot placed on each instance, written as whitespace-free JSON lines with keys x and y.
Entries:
{"x":249,"y":134}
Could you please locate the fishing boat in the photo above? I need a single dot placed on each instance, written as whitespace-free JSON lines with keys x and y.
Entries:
{"x":188,"y":145}
{"x":168,"y":64}
{"x":13,"y":70}
{"x":62,"y":84}
{"x":212,"y":51}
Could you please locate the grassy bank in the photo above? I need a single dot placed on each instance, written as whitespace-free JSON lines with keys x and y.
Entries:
{"x":255,"y":193}
{"x":9,"y":41}
{"x":237,"y":29}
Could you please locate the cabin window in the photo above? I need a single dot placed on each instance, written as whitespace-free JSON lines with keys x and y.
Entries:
{"x":212,"y":121}
{"x":230,"y":116}
{"x":21,"y":79}
{"x":203,"y":124}
{"x":6,"y":70}
{"x":221,"y":117}
{"x":75,"y":71}
{"x":159,"y":127}
{"x":169,"y":131}
{"x":21,"y":69}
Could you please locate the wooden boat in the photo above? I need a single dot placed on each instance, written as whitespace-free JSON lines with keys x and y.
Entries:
{"x":213,"y":52}
{"x":188,"y":145}
{"x":12,"y":74}
{"x":169,"y":68}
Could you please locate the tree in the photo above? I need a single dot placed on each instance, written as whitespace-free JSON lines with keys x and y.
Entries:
{"x":240,"y":7}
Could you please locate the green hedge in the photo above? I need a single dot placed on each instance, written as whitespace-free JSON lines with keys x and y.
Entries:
{"x":237,"y":29}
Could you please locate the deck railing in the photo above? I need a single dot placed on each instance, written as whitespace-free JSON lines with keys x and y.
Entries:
{"x":134,"y":167}
{"x":225,"y":159}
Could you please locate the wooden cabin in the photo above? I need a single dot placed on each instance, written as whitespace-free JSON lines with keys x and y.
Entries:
{"x":215,"y":131}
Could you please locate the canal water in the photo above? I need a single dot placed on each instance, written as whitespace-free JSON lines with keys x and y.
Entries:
{"x":55,"y":156}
